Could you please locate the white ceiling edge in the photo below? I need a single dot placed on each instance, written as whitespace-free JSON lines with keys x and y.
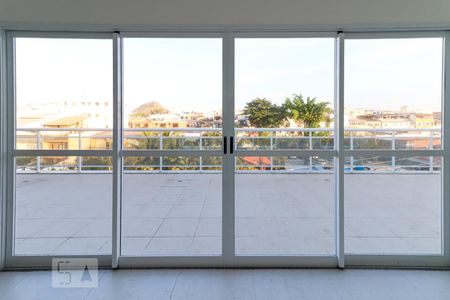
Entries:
{"x":77,"y":27}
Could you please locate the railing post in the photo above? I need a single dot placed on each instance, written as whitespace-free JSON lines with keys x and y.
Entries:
{"x":271,"y":148}
{"x":393,"y":148}
{"x":310,"y":148}
{"x":201,"y":157}
{"x":38,"y":146}
{"x":351,"y":148}
{"x":430,"y":147}
{"x":160,"y":148}
{"x":79,"y":148}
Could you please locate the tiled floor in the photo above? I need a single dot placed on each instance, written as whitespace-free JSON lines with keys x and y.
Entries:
{"x":237,"y":284}
{"x":276,"y":214}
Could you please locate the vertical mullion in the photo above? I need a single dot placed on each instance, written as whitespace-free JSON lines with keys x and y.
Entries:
{"x":117,"y":146}
{"x":339,"y":146}
{"x":3,"y":159}
{"x":10,"y":145}
{"x":228,"y":213}
{"x":446,"y":147}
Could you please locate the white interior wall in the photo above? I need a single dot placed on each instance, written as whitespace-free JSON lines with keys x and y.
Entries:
{"x":299,"y":13}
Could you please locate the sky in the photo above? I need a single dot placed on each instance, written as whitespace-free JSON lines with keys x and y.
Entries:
{"x":186,"y":74}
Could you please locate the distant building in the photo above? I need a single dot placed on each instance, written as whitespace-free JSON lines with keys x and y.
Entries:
{"x":68,"y":122}
{"x":157,"y":121}
{"x":392,"y":119}
{"x":396,"y":123}
{"x":362,"y":122}
{"x":99,"y":112}
{"x":425,"y":121}
{"x":63,"y":115}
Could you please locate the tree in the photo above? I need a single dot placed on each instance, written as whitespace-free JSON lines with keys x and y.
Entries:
{"x":262,"y":113}
{"x":310,"y":112}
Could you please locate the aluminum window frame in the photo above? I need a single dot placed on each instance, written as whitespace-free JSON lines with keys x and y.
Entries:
{"x":13,"y":261}
{"x":414,"y":260}
{"x":3,"y":119}
{"x":298,"y":260}
{"x":185,"y":260}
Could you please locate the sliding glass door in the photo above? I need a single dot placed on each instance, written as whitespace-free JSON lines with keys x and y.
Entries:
{"x":61,"y":177}
{"x":228,"y":149}
{"x":284,"y":190}
{"x":173,"y":147}
{"x":394,"y":188}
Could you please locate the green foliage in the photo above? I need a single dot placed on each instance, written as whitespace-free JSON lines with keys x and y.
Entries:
{"x":262,"y":113}
{"x":94,"y":163}
{"x":212,"y":140}
{"x":150,"y":142}
{"x":310,"y":111}
{"x":25,"y":160}
{"x":142,"y":163}
{"x":175,"y":141}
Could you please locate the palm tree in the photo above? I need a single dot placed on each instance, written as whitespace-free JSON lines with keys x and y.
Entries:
{"x":151,"y":141}
{"x":310,"y":111}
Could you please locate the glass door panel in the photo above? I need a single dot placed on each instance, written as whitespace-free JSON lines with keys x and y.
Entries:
{"x":393,"y":102}
{"x":284,"y":199}
{"x":63,"y":202}
{"x":172,"y":200}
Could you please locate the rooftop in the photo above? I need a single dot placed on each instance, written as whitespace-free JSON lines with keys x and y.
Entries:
{"x":67,"y":121}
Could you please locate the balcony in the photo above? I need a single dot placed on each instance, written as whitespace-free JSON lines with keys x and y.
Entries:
{"x":180,"y":214}
{"x":283,"y":206}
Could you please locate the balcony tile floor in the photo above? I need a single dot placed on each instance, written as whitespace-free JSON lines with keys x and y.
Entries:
{"x":180,"y":214}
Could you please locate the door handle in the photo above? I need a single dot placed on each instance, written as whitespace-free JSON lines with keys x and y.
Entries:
{"x":224,"y":145}
{"x":231,"y":144}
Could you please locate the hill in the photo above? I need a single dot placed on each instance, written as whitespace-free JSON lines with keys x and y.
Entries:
{"x":149,"y":108}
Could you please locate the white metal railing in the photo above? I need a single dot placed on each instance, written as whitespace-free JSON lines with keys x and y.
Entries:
{"x":246,"y":139}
